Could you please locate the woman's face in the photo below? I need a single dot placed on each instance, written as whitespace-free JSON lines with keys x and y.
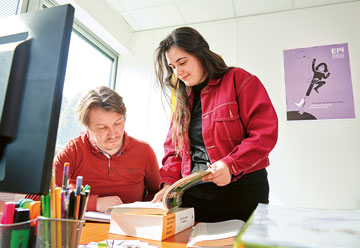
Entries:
{"x":186,"y":66}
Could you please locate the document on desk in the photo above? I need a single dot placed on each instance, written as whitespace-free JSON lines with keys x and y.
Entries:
{"x":97,"y":216}
{"x":119,"y":244}
{"x":217,"y":234}
{"x":278,"y":226}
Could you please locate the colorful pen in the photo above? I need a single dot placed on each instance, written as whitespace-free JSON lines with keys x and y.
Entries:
{"x":52,"y":196}
{"x":83,"y":202}
{"x":71,"y":205}
{"x":79,"y":180}
{"x":34,"y":208}
{"x":8,"y":213}
{"x":21,"y":215}
{"x":65,"y":182}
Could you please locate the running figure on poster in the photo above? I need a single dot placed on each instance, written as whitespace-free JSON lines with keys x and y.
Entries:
{"x":320,"y":73}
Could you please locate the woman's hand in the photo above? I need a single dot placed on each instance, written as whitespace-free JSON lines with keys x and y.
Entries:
{"x":159,"y":195}
{"x":220,"y":174}
{"x":107,"y":201}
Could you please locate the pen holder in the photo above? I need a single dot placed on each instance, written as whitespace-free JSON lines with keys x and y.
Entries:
{"x":18,"y":235}
{"x":53,"y":232}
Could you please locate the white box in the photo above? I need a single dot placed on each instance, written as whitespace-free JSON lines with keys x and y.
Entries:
{"x":151,"y":226}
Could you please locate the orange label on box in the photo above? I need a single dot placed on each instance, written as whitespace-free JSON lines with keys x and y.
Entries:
{"x":169,"y":224}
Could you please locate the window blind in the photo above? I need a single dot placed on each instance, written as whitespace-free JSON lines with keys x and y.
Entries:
{"x":9,"y":7}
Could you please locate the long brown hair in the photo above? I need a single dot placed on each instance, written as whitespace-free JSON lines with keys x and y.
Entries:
{"x":192,"y":42}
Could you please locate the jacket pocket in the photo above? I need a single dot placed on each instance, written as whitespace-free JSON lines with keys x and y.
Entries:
{"x":228,"y":125}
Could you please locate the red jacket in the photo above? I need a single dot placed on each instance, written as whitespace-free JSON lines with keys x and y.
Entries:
{"x":126,"y":175}
{"x":239,"y":127}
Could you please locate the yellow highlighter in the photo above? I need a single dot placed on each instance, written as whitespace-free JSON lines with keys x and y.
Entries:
{"x":58,"y":215}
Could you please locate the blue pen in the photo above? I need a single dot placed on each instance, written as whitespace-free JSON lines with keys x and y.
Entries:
{"x":79,"y":180}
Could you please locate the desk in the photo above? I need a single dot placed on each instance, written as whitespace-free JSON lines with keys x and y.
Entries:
{"x":96,"y":232}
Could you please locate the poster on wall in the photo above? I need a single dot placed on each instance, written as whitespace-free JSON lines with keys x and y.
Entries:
{"x":318,"y":83}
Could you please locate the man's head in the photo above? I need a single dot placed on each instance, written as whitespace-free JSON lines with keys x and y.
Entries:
{"x":102,"y":112}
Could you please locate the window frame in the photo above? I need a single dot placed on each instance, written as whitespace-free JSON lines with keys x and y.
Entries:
{"x":85,"y":33}
{"x":93,"y":39}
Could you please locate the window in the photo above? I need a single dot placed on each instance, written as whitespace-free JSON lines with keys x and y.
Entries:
{"x":87,"y":68}
{"x":9,"y":7}
{"x":91,"y":63}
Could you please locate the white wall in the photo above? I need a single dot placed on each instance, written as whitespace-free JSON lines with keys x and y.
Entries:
{"x":314,"y":163}
{"x":102,"y":20}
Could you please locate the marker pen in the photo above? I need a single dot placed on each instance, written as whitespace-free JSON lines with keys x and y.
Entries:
{"x":79,"y":180}
{"x":8,"y":213}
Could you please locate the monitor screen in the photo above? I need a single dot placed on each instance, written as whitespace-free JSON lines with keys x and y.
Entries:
{"x":33,"y":55}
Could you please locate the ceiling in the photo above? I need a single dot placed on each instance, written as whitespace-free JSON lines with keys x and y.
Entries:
{"x":152,"y":14}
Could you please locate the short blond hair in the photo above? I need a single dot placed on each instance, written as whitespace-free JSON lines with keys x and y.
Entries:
{"x":102,"y":97}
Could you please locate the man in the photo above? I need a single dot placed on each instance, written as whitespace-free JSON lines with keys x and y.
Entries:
{"x":118,"y":168}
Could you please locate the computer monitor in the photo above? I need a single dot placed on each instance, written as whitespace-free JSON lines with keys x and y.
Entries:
{"x":33,"y":55}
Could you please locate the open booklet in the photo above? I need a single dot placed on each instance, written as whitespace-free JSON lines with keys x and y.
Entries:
{"x":97,"y":216}
{"x":171,"y":199}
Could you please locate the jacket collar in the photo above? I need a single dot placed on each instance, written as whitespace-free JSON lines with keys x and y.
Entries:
{"x":214,"y":81}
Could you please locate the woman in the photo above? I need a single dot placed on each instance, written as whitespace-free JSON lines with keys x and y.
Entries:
{"x":223,"y":116}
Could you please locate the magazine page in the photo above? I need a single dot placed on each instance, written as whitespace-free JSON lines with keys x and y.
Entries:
{"x":172,"y":196}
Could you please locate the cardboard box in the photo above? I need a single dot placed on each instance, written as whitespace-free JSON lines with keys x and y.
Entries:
{"x":151,"y":226}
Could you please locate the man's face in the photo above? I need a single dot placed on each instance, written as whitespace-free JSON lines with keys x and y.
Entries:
{"x":106,"y":129}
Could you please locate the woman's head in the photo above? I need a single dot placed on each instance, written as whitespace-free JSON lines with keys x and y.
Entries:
{"x":189,"y":42}
{"x":185,"y":66}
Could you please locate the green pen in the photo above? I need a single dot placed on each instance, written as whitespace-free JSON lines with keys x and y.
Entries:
{"x":86,"y":188}
{"x":47,"y":205}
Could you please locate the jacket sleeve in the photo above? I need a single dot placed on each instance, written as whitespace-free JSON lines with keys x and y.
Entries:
{"x":261,"y":127}
{"x":152,"y":178}
{"x":171,"y":169}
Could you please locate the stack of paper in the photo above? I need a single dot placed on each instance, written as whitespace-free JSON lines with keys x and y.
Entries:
{"x":218,"y":234}
{"x":301,"y":227}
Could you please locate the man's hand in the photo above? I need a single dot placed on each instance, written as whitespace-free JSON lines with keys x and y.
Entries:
{"x":107,"y":201}
{"x":220,"y":174}
{"x":159,"y":195}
